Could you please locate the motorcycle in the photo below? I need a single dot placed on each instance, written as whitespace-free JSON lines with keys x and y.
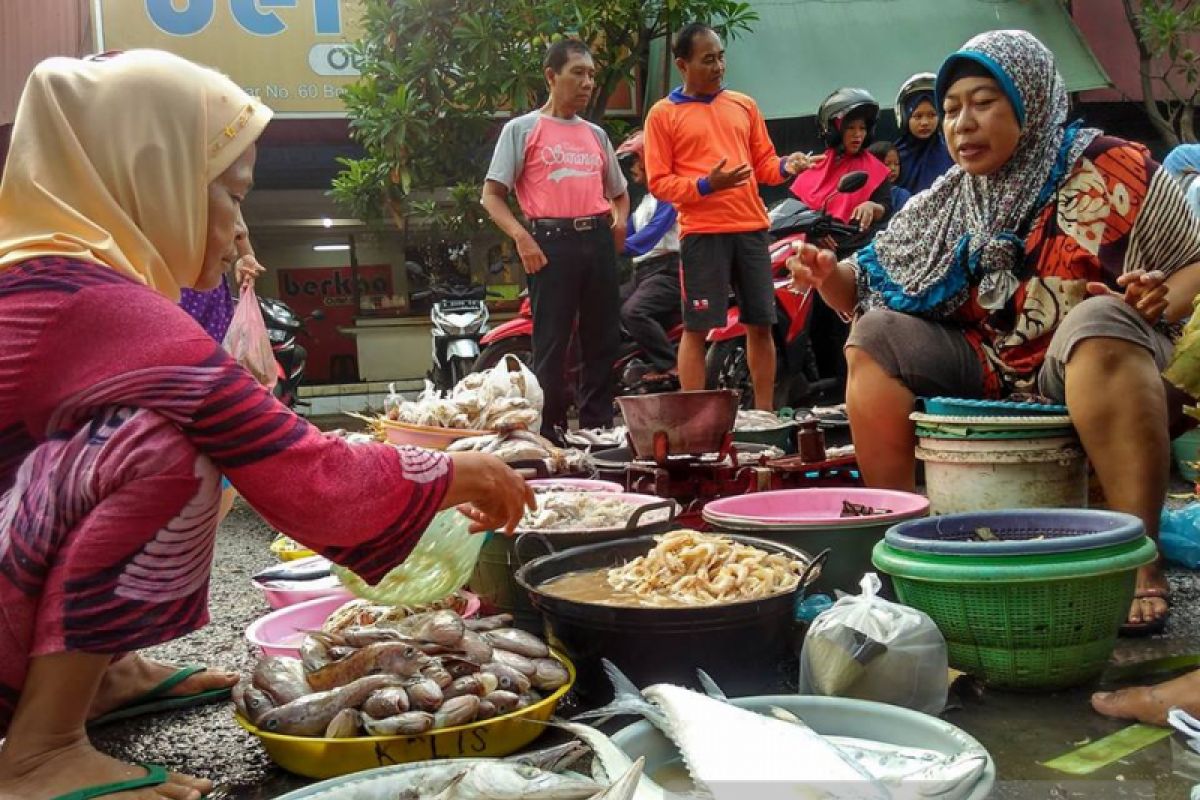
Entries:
{"x":810,"y":368}
{"x":515,"y":337}
{"x":290,"y":357}
{"x":460,"y":319}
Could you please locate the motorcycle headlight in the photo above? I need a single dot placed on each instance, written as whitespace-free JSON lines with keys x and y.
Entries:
{"x":465,"y":324}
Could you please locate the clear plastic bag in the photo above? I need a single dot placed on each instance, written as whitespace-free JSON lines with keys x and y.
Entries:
{"x":867,"y":648}
{"x":247,"y":339}
{"x":439,"y":565}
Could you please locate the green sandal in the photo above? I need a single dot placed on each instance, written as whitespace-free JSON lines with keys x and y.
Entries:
{"x":155,"y":700}
{"x":155,"y":776}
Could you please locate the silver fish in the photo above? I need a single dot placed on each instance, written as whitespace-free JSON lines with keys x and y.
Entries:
{"x":309,"y":716}
{"x":344,"y":725}
{"x":386,"y":702}
{"x":424,"y":694}
{"x":520,"y":663}
{"x":458,"y":666}
{"x":457,"y":711}
{"x":553,"y":759}
{"x":251,"y":703}
{"x":517,"y":641}
{"x":484,"y":624}
{"x":500,"y":780}
{"x":438,"y":674}
{"x":314,"y":650}
{"x":549,"y":674}
{"x":486,"y":711}
{"x":411,"y":723}
{"x":510,"y":680}
{"x":282,"y":678}
{"x":304,"y":569}
{"x":363,"y":636}
{"x":503,"y":701}
{"x":436,"y":627}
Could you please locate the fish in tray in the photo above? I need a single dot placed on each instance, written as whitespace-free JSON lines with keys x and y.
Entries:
{"x":752,"y":749}
{"x":302,"y":569}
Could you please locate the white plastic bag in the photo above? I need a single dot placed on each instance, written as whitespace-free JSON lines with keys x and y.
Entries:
{"x":246,"y":340}
{"x":867,"y":648}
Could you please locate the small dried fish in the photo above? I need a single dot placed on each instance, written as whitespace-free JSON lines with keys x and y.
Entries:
{"x":362,"y":636}
{"x":438,"y":674}
{"x":503,"y":701}
{"x":508,"y":678}
{"x":484,"y":624}
{"x":517,"y":641}
{"x":513,"y":660}
{"x":456,"y":711}
{"x":251,"y":703}
{"x":281,"y":678}
{"x":314,"y":650}
{"x":387,"y":702}
{"x":479,"y":685}
{"x":424,"y":694}
{"x":411,"y":723}
{"x":437,"y":627}
{"x":344,"y":725}
{"x":486,"y":710}
{"x":310,"y":715}
{"x":475,"y":647}
{"x":549,"y":674}
{"x":392,"y":658}
{"x":458,"y":667}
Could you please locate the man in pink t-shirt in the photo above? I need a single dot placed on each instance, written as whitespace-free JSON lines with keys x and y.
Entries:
{"x":571,"y":190}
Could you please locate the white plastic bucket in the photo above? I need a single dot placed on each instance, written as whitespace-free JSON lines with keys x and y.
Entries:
{"x":986,"y":474}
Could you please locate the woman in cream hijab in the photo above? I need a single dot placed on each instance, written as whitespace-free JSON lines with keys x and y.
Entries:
{"x":118,"y":414}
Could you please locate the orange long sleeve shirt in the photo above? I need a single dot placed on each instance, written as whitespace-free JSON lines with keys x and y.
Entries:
{"x":686,"y":137}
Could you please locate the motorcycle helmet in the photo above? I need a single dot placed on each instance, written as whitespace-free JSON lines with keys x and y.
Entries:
{"x":633,"y":146}
{"x":921,"y":83}
{"x":843,"y":104}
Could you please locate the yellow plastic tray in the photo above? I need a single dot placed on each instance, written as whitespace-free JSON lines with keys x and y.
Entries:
{"x":316,"y":757}
{"x":284,"y":553}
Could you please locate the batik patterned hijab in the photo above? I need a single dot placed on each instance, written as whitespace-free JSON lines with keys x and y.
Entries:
{"x":968,"y":229}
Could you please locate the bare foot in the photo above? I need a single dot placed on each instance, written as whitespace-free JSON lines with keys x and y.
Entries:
{"x":132,"y":676}
{"x":1150,"y":609}
{"x":1150,"y":704}
{"x":50,"y":773}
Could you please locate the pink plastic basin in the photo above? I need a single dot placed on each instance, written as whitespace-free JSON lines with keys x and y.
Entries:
{"x":815,"y":507}
{"x":281,"y":632}
{"x":282,"y":598}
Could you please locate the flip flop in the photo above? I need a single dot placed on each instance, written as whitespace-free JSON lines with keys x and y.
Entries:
{"x":1154,"y":626}
{"x":155,"y":776}
{"x":155,"y":700}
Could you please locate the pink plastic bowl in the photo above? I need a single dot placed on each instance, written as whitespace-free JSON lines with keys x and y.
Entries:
{"x":814,"y":507}
{"x":282,"y":598}
{"x":281,"y":632}
{"x":576,"y":485}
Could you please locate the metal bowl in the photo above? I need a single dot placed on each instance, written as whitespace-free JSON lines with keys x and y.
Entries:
{"x":679,"y":423}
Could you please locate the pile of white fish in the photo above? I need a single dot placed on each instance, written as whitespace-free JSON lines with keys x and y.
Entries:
{"x":732,"y":752}
{"x":598,"y":438}
{"x":406,"y":677}
{"x":755,"y":420}
{"x":519,"y":446}
{"x":696,"y":568}
{"x":562,"y":511}
{"x":503,"y":398}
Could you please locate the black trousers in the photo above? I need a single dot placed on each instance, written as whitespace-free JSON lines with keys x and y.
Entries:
{"x":655,"y":306}
{"x":579,"y":282}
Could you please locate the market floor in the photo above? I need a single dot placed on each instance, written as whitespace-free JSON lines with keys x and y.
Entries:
{"x":1019,"y":730}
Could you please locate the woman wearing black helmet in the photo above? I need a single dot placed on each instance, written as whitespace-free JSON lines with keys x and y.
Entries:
{"x":922,"y":145}
{"x":846,"y":120}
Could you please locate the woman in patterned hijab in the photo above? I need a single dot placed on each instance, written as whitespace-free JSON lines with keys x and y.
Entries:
{"x":1051,"y":259}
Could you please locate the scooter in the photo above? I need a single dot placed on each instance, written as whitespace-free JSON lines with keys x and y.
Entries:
{"x":290,"y":357}
{"x":810,"y":368}
{"x":460,"y":319}
{"x":515,"y":337}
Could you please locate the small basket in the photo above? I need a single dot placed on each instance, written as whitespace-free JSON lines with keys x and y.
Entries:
{"x":426,"y":436}
{"x":1041,"y":620}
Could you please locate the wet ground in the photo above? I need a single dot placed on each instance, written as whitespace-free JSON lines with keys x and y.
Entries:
{"x":1019,"y":730}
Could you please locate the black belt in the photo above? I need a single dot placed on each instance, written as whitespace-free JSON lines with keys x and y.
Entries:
{"x":573,"y":224}
{"x":657,"y":261}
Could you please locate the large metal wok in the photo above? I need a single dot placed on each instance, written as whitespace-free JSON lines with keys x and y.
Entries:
{"x":680,"y":423}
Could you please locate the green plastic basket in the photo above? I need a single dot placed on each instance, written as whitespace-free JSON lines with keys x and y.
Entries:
{"x":1040,"y":622}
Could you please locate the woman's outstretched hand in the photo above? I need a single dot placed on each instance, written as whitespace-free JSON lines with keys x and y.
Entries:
{"x":810,"y":266}
{"x":489,"y":492}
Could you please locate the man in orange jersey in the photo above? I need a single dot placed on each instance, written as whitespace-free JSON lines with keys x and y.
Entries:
{"x":707,"y":150}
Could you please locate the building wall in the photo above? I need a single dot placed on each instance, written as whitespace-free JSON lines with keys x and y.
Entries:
{"x":1104,"y":26}
{"x":33,"y":30}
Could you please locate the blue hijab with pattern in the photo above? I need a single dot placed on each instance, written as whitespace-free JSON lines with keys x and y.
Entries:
{"x":970,"y":230}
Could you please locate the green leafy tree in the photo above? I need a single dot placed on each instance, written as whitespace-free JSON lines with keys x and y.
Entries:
{"x":436,"y":74}
{"x":1169,"y":66}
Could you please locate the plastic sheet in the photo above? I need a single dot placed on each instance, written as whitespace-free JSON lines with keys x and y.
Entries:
{"x":1179,"y":535}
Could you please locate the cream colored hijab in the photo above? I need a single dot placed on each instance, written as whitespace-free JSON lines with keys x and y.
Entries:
{"x":111,"y":160}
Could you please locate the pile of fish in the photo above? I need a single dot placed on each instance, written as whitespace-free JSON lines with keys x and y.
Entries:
{"x":732,"y":752}
{"x":406,"y":677}
{"x":503,"y":398}
{"x":598,"y":438}
{"x":696,"y":568}
{"x":517,"y":446}
{"x":756,"y":420}
{"x":359,"y":613}
{"x":562,"y":511}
